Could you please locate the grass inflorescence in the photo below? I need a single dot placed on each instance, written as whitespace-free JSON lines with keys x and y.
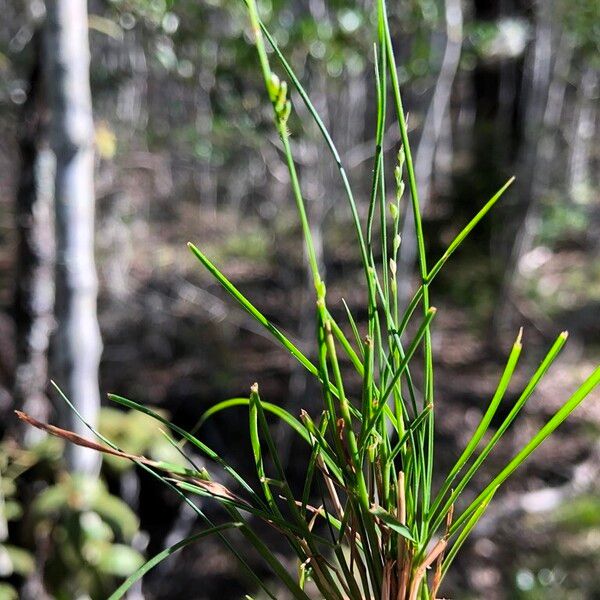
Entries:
{"x":380,"y":529}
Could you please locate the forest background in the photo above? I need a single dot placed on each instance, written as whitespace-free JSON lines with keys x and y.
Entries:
{"x":180,"y":148}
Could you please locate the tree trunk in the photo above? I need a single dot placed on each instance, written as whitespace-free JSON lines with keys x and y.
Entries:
{"x":432,"y":131}
{"x":437,"y":113}
{"x":34,"y":290}
{"x":78,"y":344}
{"x":519,"y":230}
{"x":583,"y":134}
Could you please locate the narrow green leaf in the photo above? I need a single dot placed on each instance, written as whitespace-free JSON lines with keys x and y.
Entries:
{"x":570,"y":405}
{"x":158,"y":558}
{"x":328,"y":141}
{"x":194,"y":440}
{"x":253,"y":311}
{"x":410,"y":430}
{"x":279,"y":412}
{"x":512,"y":415}
{"x":485,"y":421}
{"x":459,"y":239}
{"x":467,"y":529}
{"x":354,"y":327}
{"x":348,"y":349}
{"x":368,"y":427}
{"x":393,"y":523}
{"x":257,"y":450}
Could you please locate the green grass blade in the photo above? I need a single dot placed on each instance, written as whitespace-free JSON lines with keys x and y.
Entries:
{"x":253,"y":311}
{"x":283,"y":526}
{"x":467,"y":529}
{"x":418,"y":295}
{"x":311,"y":467}
{"x":369,"y":427}
{"x":203,"y":417}
{"x":410,"y":430}
{"x":257,"y":453}
{"x":275,"y":564}
{"x":279,"y":412}
{"x":484,"y":423}
{"x":277,"y":91}
{"x":347,"y":347}
{"x":459,"y":239}
{"x":328,"y":141}
{"x":421,"y":332}
{"x":586,"y":388}
{"x":410,"y":309}
{"x":257,"y":415}
{"x":401,"y":118}
{"x":393,"y":523}
{"x":158,"y":558}
{"x":354,"y":327}
{"x":512,"y":415}
{"x":192,"y":439}
{"x":428,"y":384}
{"x":258,"y":316}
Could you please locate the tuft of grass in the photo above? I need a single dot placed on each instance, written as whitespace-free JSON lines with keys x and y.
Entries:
{"x":380,"y":529}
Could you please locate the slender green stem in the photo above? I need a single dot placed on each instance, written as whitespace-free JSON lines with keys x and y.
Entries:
{"x":281,"y":109}
{"x":416,"y":211}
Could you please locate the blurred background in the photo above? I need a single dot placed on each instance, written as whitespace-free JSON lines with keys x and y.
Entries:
{"x":165,"y":135}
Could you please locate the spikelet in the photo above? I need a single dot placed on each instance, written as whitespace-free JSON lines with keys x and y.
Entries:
{"x":278,"y":93}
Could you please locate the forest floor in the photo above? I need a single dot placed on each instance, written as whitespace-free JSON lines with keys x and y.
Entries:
{"x":194,"y":346}
{"x":173,"y":339}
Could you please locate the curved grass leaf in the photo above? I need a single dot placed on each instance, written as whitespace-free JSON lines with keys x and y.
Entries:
{"x":158,"y":558}
{"x":390,"y":521}
{"x":253,"y":311}
{"x":279,"y":412}
{"x":194,"y":440}
{"x":459,"y":239}
{"x":485,"y":420}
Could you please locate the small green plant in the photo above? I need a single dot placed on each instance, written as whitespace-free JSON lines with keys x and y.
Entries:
{"x":80,"y":531}
{"x":85,"y":526}
{"x":16,"y":560}
{"x":381,"y":529}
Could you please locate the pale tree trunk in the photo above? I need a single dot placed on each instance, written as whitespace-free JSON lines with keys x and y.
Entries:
{"x":432,"y":132}
{"x":556,"y":102}
{"x":34,"y":290}
{"x":518,"y":233}
{"x":583,"y":134}
{"x":207,"y":176}
{"x":78,"y":344}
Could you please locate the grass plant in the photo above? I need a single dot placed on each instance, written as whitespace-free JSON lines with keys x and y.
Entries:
{"x":381,"y":529}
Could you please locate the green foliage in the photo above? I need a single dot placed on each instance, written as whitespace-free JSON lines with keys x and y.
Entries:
{"x":139,"y":434}
{"x":581,"y":19}
{"x":579,"y":514}
{"x":16,"y":560}
{"x":83,"y":522}
{"x":85,"y":529}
